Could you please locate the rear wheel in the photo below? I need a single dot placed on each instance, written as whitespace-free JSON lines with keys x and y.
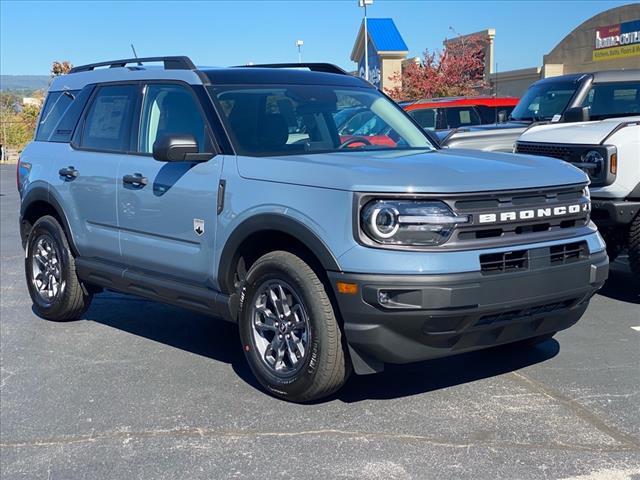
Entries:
{"x":55,"y":289}
{"x":291,"y":338}
{"x":634,"y":247}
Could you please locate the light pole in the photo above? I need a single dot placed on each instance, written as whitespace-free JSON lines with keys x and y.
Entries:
{"x":363,"y":4}
{"x":299,"y":44}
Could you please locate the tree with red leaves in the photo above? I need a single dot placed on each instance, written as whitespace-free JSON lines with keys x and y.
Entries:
{"x":458,"y":70}
{"x":60,"y":68}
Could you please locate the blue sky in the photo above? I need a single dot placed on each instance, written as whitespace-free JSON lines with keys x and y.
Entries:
{"x":33,"y":34}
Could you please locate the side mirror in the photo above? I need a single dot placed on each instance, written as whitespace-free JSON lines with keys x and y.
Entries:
{"x":576,"y":114}
{"x":502,"y":116}
{"x":178,"y":148}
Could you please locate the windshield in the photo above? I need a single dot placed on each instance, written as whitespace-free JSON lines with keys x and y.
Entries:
{"x":299,"y":119}
{"x":543,"y":101}
{"x":618,"y":99}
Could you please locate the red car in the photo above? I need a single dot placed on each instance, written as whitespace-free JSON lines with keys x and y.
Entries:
{"x":449,"y":113}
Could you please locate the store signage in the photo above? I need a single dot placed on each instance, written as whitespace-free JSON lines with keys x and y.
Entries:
{"x":617,"y":41}
{"x":374,"y":65}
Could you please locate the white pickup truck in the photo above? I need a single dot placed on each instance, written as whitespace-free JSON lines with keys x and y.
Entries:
{"x":609,"y":152}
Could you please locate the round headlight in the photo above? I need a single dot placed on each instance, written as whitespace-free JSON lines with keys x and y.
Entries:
{"x":595,"y":157}
{"x":384,"y":221}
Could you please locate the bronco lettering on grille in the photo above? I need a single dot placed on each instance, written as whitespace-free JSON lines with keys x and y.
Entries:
{"x":530,"y":214}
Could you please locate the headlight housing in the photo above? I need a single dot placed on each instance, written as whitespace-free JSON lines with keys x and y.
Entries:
{"x":593,"y":161}
{"x":409,"y":222}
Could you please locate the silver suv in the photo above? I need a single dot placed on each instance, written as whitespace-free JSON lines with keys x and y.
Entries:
{"x":230,"y":191}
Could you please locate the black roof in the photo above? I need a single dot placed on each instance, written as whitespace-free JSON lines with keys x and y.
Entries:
{"x":285,"y":76}
{"x":598,"y":77}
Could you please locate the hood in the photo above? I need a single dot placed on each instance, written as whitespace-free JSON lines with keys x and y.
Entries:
{"x":581,"y":133}
{"x":440,"y":171}
{"x":483,"y":128}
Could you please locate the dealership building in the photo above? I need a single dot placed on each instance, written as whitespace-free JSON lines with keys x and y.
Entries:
{"x":607,"y":41}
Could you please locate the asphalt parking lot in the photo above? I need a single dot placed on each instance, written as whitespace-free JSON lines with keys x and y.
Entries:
{"x":142,"y":390}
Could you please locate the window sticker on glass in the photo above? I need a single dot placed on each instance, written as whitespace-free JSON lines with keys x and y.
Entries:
{"x":465,"y":116}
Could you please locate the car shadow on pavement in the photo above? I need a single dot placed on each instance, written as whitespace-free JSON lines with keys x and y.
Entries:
{"x":218,"y":340}
{"x":412,"y":379}
{"x":621,"y":285}
{"x":199,"y":334}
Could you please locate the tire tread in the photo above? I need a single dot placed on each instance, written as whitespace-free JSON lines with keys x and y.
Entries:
{"x":75,"y":300}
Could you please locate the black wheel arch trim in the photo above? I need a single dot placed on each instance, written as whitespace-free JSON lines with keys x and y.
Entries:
{"x":270,"y":222}
{"x":40,"y":193}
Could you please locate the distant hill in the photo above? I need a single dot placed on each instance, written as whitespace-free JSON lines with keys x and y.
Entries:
{"x":24,"y":82}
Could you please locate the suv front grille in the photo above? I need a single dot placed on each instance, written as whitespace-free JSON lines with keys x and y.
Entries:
{"x":536,"y":217}
{"x":546,"y":149}
{"x":598,"y":172}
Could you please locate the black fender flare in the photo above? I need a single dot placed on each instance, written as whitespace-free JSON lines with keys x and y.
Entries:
{"x":271,"y":222}
{"x":40,"y":193}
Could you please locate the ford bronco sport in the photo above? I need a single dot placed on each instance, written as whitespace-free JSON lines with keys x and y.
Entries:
{"x":229,"y":191}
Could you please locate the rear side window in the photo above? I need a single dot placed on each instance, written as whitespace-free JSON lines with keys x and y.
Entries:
{"x":462,"y":117}
{"x":53,"y":110}
{"x":108,"y":122}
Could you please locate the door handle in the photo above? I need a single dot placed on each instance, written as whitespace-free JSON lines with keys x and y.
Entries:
{"x":137,"y":180}
{"x":68,"y":172}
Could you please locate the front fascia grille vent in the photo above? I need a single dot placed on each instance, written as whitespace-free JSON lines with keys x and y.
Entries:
{"x":568,"y":253}
{"x":495,"y":263}
{"x":523,"y":313}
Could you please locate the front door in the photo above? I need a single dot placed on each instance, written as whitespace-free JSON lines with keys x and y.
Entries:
{"x":167,"y":210}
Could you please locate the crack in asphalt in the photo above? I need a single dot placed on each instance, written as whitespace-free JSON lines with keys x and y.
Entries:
{"x":194,"y":432}
{"x":579,"y":410}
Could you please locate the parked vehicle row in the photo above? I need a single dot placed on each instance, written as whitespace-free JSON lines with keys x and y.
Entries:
{"x":452,"y":113}
{"x":566,"y":98}
{"x":243,"y":193}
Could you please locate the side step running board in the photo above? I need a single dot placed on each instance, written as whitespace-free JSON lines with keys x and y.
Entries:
{"x":147,"y":285}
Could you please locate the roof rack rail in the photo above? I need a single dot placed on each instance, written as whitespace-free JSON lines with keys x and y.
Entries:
{"x":314,"y":67}
{"x":170,"y":63}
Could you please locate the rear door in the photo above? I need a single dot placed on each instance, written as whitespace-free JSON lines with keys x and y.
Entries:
{"x":167,"y":219}
{"x":85,"y":170}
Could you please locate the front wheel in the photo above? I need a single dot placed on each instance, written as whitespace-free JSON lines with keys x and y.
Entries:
{"x":291,"y":338}
{"x":56,"y":291}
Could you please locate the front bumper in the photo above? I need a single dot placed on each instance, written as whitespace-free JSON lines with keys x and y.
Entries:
{"x":606,"y":213}
{"x":429,"y":316}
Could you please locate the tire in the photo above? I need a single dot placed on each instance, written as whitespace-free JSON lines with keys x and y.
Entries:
{"x":634,"y":247}
{"x":321,"y":366}
{"x":70,"y":299}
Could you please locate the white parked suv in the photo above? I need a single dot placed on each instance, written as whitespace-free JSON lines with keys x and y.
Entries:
{"x":609,"y":151}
